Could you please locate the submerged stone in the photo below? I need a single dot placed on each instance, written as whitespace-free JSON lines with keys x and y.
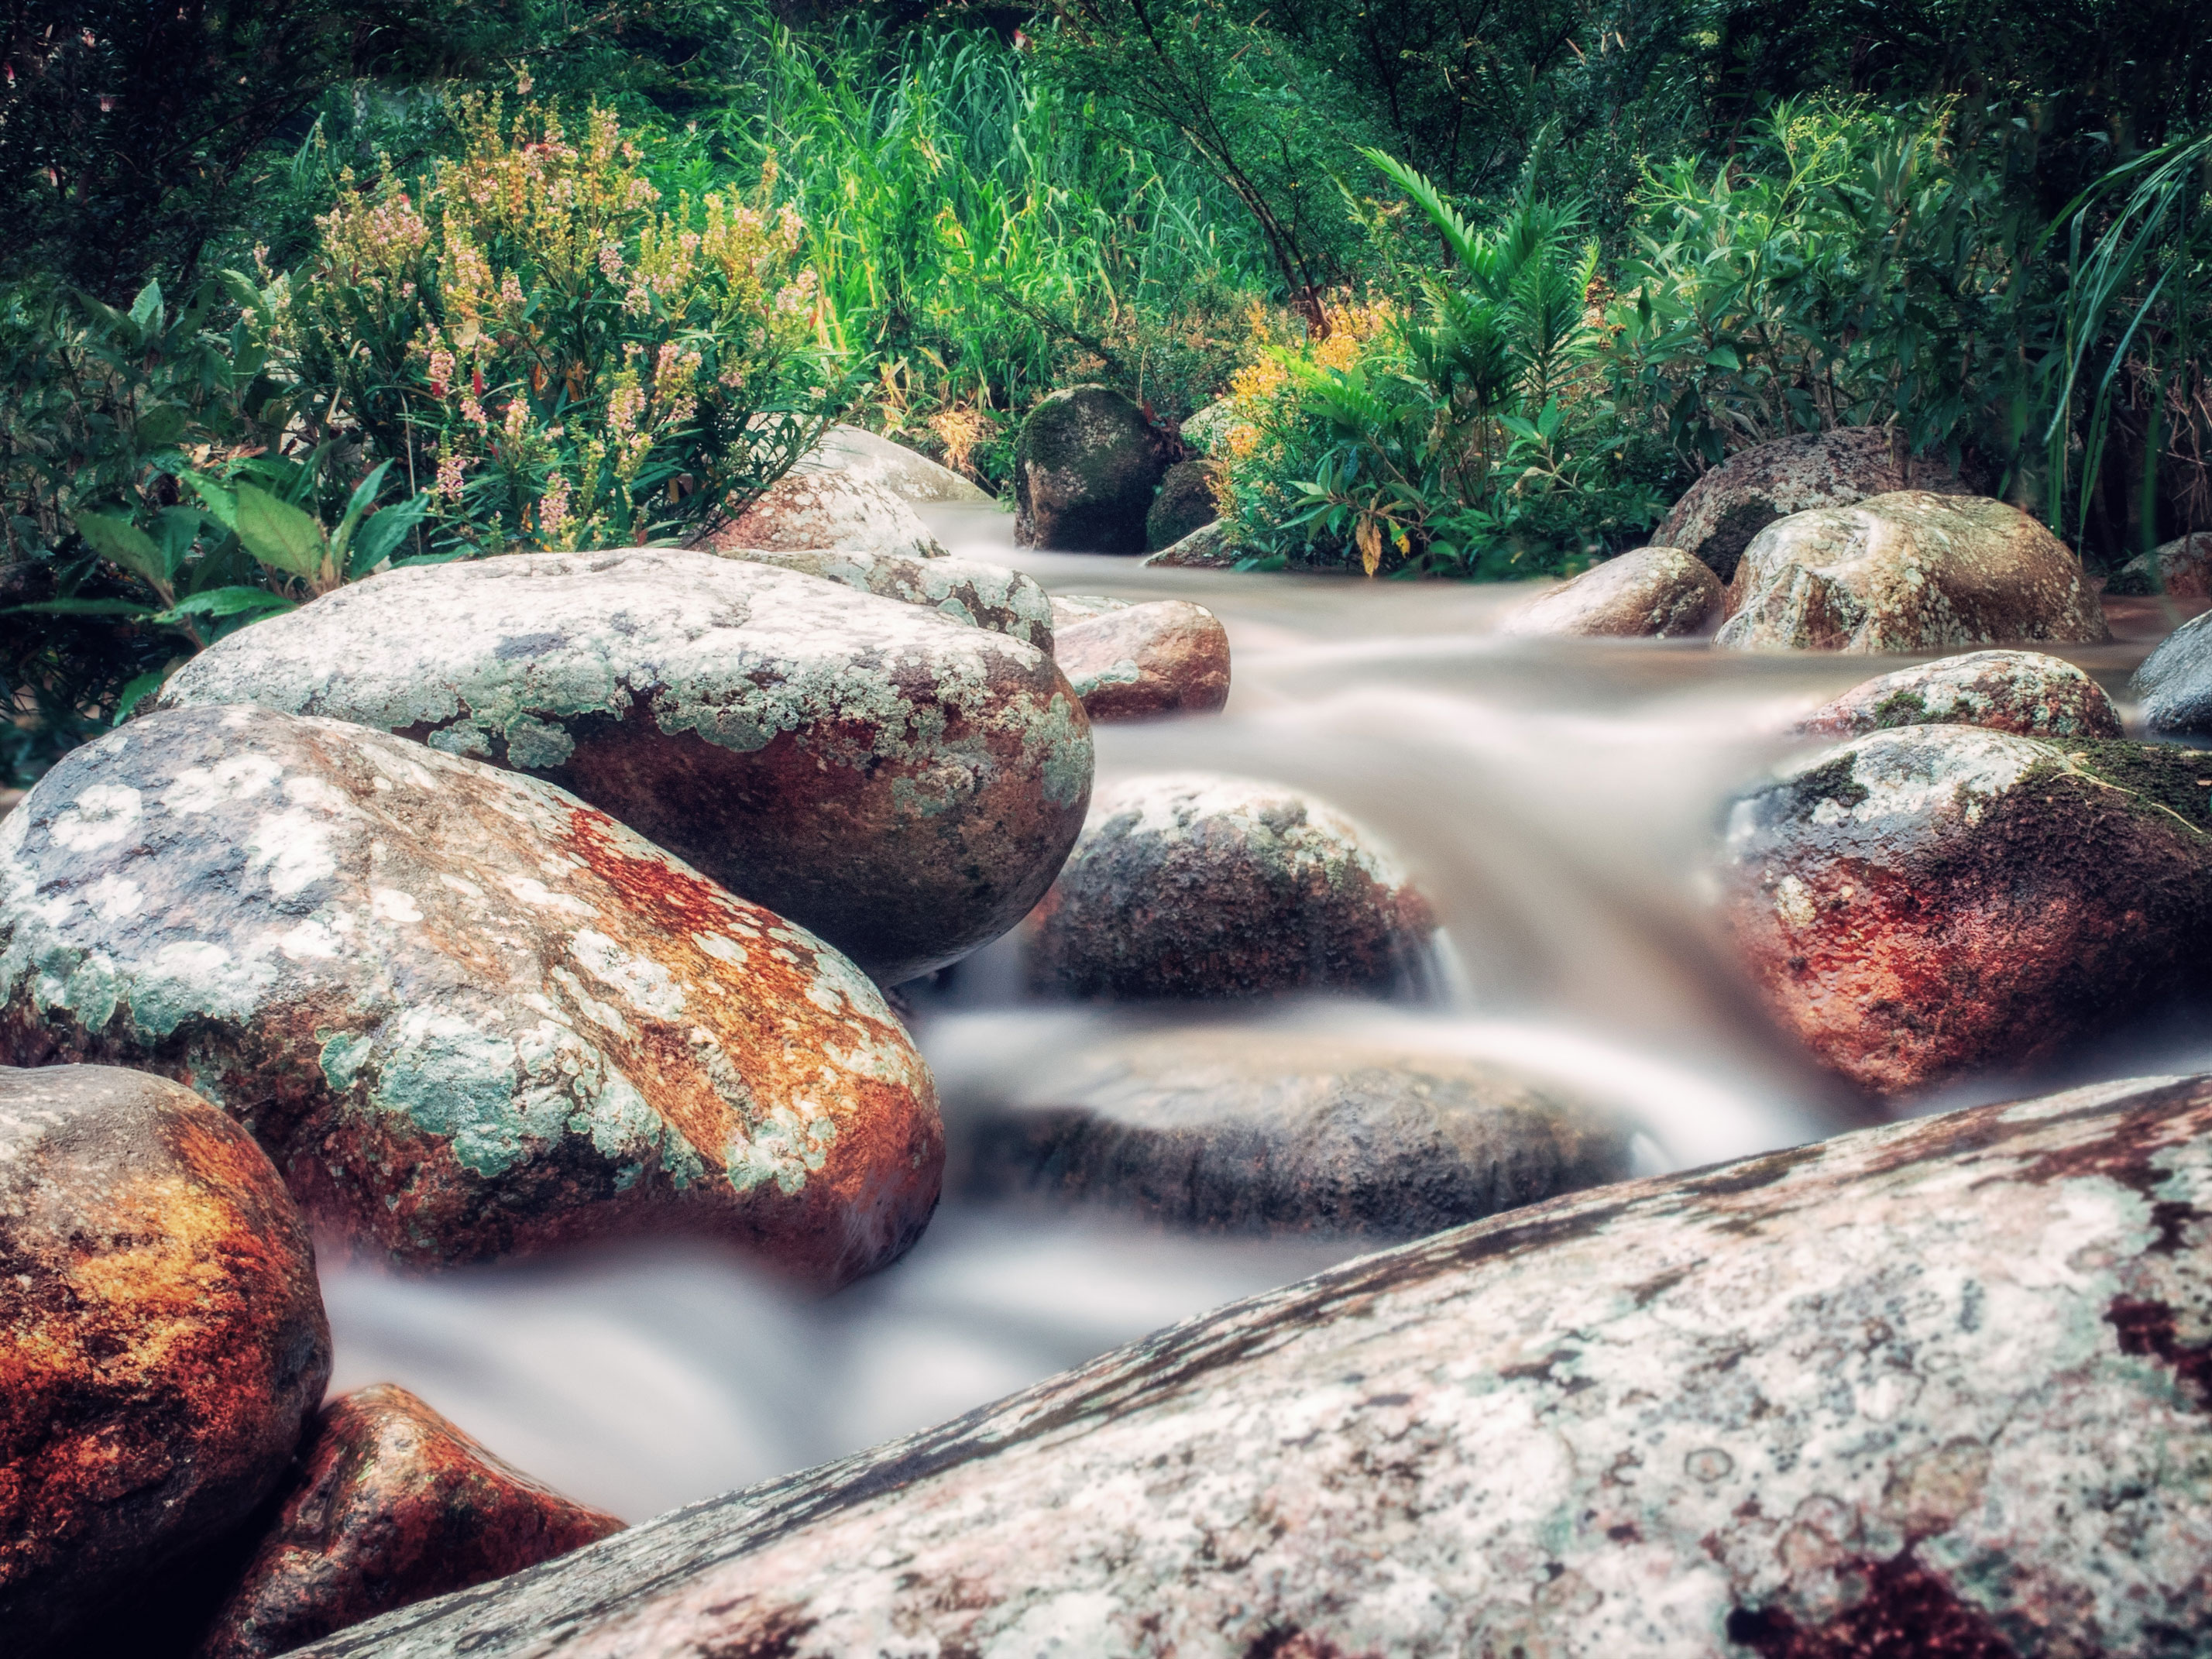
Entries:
{"x":966,"y":590}
{"x":162,"y":1342}
{"x":1652,"y":593}
{"x":900,"y":784}
{"x":1086,"y":469}
{"x":827,"y":508}
{"x":467,"y":1014}
{"x":2022,"y":691}
{"x":1137,"y":661}
{"x":1939,"y":1388}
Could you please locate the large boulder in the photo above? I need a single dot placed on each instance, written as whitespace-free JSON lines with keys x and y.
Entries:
{"x":1130,"y":662}
{"x":1937,"y":1388}
{"x":1652,"y":593}
{"x":2022,"y":691}
{"x":162,"y":1342}
{"x":1910,"y":571}
{"x":1206,"y":430}
{"x":466,"y":1014}
{"x":1185,"y":503}
{"x":1086,"y":468}
{"x":900,"y":784}
{"x":1719,"y":514}
{"x":1191,"y":885}
{"x":967,"y":590}
{"x":1249,"y":1129}
{"x":1931,"y":902}
{"x":2183,"y":567}
{"x":2174,"y":688}
{"x":827,"y":509}
{"x":867,"y":458}
{"x":392,"y":1505}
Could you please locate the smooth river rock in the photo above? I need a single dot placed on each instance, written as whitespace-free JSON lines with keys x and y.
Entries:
{"x":1086,"y":468}
{"x":967,"y":590}
{"x":897,"y":782}
{"x":2174,"y":685}
{"x":1258,"y":1130}
{"x":1650,"y":593}
{"x":1185,"y":503}
{"x":1206,"y":548}
{"x":831,"y":509}
{"x":1937,"y":1390}
{"x":467,"y":1014}
{"x":1936,"y":901}
{"x":1192,"y":885}
{"x":1910,"y":571}
{"x":870,"y":458}
{"x":2022,"y":691}
{"x":2184,"y":565}
{"x":392,"y":1505}
{"x":1135,"y":662}
{"x":162,"y":1343}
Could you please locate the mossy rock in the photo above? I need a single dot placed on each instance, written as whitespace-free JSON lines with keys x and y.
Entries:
{"x":1086,"y":468}
{"x":1185,"y":503}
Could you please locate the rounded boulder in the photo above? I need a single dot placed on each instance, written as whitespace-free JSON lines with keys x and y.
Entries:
{"x":1085,"y":470}
{"x":869,"y":457}
{"x":1185,"y":503}
{"x":2020,"y":691}
{"x":2174,"y":688}
{"x":1138,"y":661}
{"x":839,"y":509}
{"x":1651,"y":593}
{"x":967,"y":590}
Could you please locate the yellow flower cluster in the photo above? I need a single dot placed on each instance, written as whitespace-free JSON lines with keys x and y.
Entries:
{"x":1263,"y":402}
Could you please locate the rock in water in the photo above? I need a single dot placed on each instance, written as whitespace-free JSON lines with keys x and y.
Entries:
{"x":804,"y":510}
{"x":467,"y":1014}
{"x":1910,"y":571}
{"x":392,"y":1505}
{"x":1264,"y":1131}
{"x":1938,"y":1388}
{"x":967,"y":590}
{"x":1185,"y":503}
{"x":1719,"y":514}
{"x":2022,"y":691}
{"x":1934,"y":900}
{"x":1086,"y":469}
{"x":2174,"y":684}
{"x":2184,"y":569}
{"x":1654,"y":592}
{"x":867,"y":458}
{"x":1205,"y":549}
{"x":901,"y":785}
{"x":1194,"y":885}
{"x":1136,"y":661}
{"x":162,"y":1342}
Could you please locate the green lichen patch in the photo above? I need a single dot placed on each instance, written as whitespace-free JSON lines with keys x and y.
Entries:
{"x":2165,"y":781}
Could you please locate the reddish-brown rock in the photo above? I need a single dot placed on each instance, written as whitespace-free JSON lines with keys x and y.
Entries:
{"x":827,"y":508}
{"x":1132,"y":662}
{"x":2022,"y":691}
{"x":392,"y":1505}
{"x":1650,"y":593}
{"x":467,"y":1014}
{"x":162,"y":1343}
{"x":2184,"y":569}
{"x":1935,"y":902}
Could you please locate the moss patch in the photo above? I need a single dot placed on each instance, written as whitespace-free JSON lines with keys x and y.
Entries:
{"x":2161,"y":775}
{"x":1834,"y":782}
{"x":1901,"y":708}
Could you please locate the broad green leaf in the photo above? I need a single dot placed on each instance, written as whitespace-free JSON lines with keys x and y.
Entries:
{"x":138,"y":690}
{"x":364,"y":496}
{"x":279,"y":534}
{"x":228,"y":602}
{"x":120,"y":542}
{"x":161,"y":426}
{"x":78,"y":608}
{"x":221,"y":503}
{"x":1724,"y":357}
{"x":382,"y":536}
{"x":146,"y":309}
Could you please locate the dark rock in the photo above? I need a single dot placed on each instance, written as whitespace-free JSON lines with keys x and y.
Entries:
{"x":2174,"y":684}
{"x":2022,"y":691}
{"x":1185,"y":503}
{"x":1194,"y":885}
{"x":1928,"y":903}
{"x":967,"y":590}
{"x":1263,"y":1131}
{"x":1138,"y":661}
{"x":802,"y":511}
{"x":1206,"y":548}
{"x":162,"y":1342}
{"x":901,"y":785}
{"x":467,"y":1014}
{"x":867,"y":458}
{"x":1719,"y":514}
{"x":392,"y":1506}
{"x":1653,"y":592}
{"x":1910,"y":571}
{"x":1934,"y":1388}
{"x":1086,"y":469}
{"x":2184,"y":569}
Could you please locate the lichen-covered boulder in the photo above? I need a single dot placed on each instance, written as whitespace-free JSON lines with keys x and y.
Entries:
{"x":898,"y":783}
{"x":1937,"y":1388}
{"x":2022,"y":691}
{"x":1086,"y":468}
{"x":827,"y":509}
{"x":1206,"y":548}
{"x":967,"y":590}
{"x":1252,"y":1130}
{"x":1936,"y":901}
{"x":1138,"y":661}
{"x":1651,"y":593}
{"x":162,"y":1342}
{"x":868,"y":457}
{"x":2184,"y":567}
{"x":1910,"y":571}
{"x":1185,"y":503}
{"x":1195,"y":886}
{"x":1206,"y":430}
{"x":2174,"y":688}
{"x":392,"y":1505}
{"x":467,"y":1014}
{"x":1719,"y":514}
{"x":1069,"y":609}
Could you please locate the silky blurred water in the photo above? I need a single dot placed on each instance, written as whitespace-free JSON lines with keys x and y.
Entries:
{"x":1559,"y":802}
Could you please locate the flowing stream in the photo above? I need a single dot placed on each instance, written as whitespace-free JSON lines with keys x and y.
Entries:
{"x":1559,"y":802}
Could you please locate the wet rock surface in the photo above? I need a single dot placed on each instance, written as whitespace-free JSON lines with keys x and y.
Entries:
{"x":1185,"y":503}
{"x":869,"y":457}
{"x":466,"y":1015}
{"x":2184,"y":567}
{"x":1136,"y":662}
{"x":1268,"y":1131}
{"x":1205,"y":549}
{"x":391,"y":1506}
{"x":1910,"y":571}
{"x":2020,"y":691}
{"x":898,"y":783}
{"x":1934,"y":1388}
{"x":1925,"y":902}
{"x":1652,"y":592}
{"x":162,"y":1342}
{"x":1196,"y":885}
{"x":1719,"y":514}
{"x":2174,"y":687}
{"x":1086,"y":469}
{"x":828,"y":509}
{"x":967,"y":590}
